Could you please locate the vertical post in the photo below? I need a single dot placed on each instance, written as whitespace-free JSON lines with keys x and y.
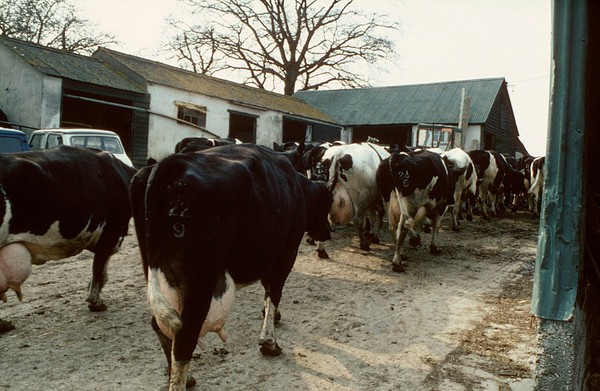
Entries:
{"x":561,"y":334}
{"x":463,"y":119}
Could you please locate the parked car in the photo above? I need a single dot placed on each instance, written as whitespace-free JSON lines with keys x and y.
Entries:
{"x":86,"y":138}
{"x":12,"y":140}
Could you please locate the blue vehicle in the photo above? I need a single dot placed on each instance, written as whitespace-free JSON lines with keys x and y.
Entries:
{"x":12,"y":140}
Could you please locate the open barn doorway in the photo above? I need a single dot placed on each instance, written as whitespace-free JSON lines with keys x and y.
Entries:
{"x":242,"y":126}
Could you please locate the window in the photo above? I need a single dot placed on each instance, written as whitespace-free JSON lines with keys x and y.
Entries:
{"x":54,"y":140}
{"x":191,"y":113}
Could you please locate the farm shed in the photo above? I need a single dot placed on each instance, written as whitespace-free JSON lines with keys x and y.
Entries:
{"x":394,"y":114}
{"x":224,"y":108}
{"x":42,"y":87}
{"x":566,"y":291}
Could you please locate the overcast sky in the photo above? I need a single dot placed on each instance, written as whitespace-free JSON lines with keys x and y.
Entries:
{"x":440,"y":40}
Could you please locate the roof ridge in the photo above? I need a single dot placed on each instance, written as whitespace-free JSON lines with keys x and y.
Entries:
{"x":408,"y":85}
{"x":192,"y":73}
{"x":48,"y":48}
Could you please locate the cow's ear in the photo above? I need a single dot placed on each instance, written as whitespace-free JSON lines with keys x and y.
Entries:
{"x":277,"y":147}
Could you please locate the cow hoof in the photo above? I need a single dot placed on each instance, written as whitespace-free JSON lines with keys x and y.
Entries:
{"x":272,"y":350}
{"x":374,"y":240}
{"x":365,"y":247}
{"x":97,"y":307}
{"x":6,"y":326}
{"x":322,"y":254}
{"x":415,"y":241}
{"x":190,"y":381}
{"x":398,"y":268}
{"x":434,"y":250}
{"x":427,"y":228}
{"x":469,"y":218}
{"x":456,"y":229}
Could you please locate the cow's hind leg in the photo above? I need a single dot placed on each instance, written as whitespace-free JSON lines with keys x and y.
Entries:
{"x":99,"y":278}
{"x":273,"y":286}
{"x":268,"y":341}
{"x":167,"y":347}
{"x":434,"y":246}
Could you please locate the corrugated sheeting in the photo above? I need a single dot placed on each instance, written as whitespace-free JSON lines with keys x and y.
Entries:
{"x":407,"y":104}
{"x":167,"y":75}
{"x":66,"y":65}
{"x":560,"y":243}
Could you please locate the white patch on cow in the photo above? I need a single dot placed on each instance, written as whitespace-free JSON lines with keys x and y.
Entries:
{"x":50,"y":245}
{"x":219,"y":311}
{"x":166,"y":305}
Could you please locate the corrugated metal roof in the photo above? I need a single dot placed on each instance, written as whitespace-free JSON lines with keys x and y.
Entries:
{"x":167,"y":75}
{"x":406,"y":104}
{"x":72,"y":66}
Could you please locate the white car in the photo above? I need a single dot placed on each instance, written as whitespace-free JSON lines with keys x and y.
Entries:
{"x":86,"y":138}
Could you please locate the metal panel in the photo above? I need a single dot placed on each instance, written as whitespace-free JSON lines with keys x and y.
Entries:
{"x":560,"y":244}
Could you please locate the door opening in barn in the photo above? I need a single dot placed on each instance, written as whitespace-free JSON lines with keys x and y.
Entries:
{"x":87,"y":110}
{"x":293,"y":130}
{"x":242,"y":126}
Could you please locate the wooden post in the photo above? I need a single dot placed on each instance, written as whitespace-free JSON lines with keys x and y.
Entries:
{"x":463,"y":118}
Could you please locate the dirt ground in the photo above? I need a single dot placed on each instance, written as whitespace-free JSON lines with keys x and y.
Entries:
{"x":457,"y":321}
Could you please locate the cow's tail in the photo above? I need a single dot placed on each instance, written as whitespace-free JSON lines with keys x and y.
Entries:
{"x":163,"y":311}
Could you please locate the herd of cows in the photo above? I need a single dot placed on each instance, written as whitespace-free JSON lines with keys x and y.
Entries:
{"x":218,"y":215}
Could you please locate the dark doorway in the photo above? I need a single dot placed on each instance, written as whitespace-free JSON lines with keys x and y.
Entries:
{"x":80,"y":113}
{"x":294,"y":130}
{"x":242,"y":126}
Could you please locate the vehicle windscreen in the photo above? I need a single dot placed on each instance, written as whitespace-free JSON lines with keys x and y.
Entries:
{"x":106,"y":143}
{"x":10,"y":144}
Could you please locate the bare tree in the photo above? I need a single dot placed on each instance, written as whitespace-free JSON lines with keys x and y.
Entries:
{"x":53,"y":23}
{"x":272,"y":43}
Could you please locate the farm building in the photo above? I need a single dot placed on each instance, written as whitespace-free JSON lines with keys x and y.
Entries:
{"x":150,"y":105}
{"x":47,"y":88}
{"x":425,"y":114}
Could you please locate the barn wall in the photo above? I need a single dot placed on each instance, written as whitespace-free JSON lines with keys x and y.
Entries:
{"x":502,"y":124}
{"x":21,"y":90}
{"x":269,"y":128}
{"x":51,"y":102}
{"x":164,"y":132}
{"x":472,"y":138}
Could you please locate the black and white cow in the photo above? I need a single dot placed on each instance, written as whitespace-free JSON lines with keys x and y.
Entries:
{"x":537,"y":184}
{"x":313,"y":161}
{"x":212,"y":221}
{"x":54,"y":204}
{"x":423,"y":184}
{"x":352,"y":181}
{"x":465,"y":187}
{"x":294,"y":152}
{"x":515,"y":184}
{"x":490,"y":167}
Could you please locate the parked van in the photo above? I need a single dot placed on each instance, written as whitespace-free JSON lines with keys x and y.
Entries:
{"x":86,"y":138}
{"x":12,"y":140}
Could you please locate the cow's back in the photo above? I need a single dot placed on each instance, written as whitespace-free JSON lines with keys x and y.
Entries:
{"x":225,"y":207}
